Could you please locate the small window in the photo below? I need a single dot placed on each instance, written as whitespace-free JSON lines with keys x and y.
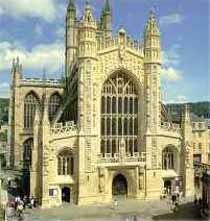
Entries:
{"x":53,"y":192}
{"x":200,"y":146}
{"x":65,"y":163}
{"x":194,"y":146}
{"x":197,"y":158}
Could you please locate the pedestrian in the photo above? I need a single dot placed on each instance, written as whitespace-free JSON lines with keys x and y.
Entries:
{"x":115,"y":204}
{"x":17,"y":199}
{"x":173,"y":198}
{"x":32,"y":201}
{"x":195,"y":200}
{"x":176,"y":207}
{"x":20,"y":210}
{"x":25,"y":201}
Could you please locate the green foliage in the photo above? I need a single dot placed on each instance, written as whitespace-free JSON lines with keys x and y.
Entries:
{"x":3,"y":136}
{"x":198,"y":108}
{"x":4,"y":107}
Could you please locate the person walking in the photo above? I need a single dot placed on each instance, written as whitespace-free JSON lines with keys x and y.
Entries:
{"x":32,"y":202}
{"x":115,"y":204}
{"x":20,"y":211}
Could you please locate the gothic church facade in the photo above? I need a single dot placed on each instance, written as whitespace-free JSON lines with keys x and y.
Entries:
{"x":101,"y":132}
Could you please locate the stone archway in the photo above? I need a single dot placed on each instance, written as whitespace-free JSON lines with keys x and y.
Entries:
{"x":66,"y":194}
{"x":168,"y":186}
{"x":119,"y":186}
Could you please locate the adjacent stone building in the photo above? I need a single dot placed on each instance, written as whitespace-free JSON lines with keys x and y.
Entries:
{"x":102,"y":131}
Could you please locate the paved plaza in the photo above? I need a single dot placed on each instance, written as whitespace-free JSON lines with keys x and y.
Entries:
{"x":128,"y":210}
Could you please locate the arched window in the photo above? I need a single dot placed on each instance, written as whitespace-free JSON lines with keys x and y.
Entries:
{"x":27,"y":153}
{"x":65,"y":163}
{"x":119,"y":115}
{"x":30,"y":105}
{"x":168,"y":158}
{"x":54,"y":104}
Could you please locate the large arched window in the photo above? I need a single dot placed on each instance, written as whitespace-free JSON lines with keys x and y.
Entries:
{"x":168,"y":158}
{"x":27,"y":152}
{"x":65,"y":163}
{"x":54,"y":104}
{"x":30,"y":105}
{"x":119,"y":115}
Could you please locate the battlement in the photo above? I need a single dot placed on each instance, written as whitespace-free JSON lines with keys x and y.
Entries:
{"x":92,"y":24}
{"x":125,"y":157}
{"x":199,"y":126}
{"x":63,"y":130}
{"x":115,"y":42}
{"x":171,"y":127}
{"x":41,"y":81}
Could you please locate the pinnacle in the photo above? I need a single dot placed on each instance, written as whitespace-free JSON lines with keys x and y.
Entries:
{"x":71,"y":5}
{"x":152,"y":25}
{"x":107,"y":7}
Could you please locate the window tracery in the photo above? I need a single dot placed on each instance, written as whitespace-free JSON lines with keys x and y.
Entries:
{"x":27,"y":152}
{"x":119,"y":115}
{"x":54,"y":104}
{"x":168,"y":158}
{"x":30,"y":105}
{"x":65,"y":163}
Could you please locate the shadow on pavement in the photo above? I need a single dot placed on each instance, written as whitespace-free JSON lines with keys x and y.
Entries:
{"x":187,"y":211}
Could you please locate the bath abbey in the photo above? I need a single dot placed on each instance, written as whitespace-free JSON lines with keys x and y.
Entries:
{"x":101,"y":131}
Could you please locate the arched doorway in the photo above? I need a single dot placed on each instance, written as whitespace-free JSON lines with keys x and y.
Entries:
{"x":66,"y":194}
{"x":168,"y":186}
{"x":119,"y":186}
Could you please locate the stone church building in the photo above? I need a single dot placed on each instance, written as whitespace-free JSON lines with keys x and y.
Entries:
{"x":103,"y":130}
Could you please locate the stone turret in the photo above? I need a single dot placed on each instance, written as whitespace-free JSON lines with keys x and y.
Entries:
{"x":152,"y":67}
{"x":106,"y":19}
{"x":16,"y":71}
{"x":45,"y":154}
{"x":14,"y":125}
{"x":87,"y":34}
{"x":71,"y":35}
{"x":152,"y":45}
{"x":87,"y":102}
{"x":35,"y":164}
{"x":187,"y":150}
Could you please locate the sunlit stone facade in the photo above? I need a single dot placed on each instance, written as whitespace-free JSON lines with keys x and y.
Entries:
{"x":102,"y":131}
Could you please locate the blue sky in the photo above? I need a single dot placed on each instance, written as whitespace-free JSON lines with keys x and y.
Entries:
{"x":34,"y":31}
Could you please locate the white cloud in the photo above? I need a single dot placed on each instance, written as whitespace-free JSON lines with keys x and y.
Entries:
{"x":49,"y":56}
{"x":174,"y":18}
{"x":171,"y":74}
{"x":171,"y":56}
{"x":49,"y":10}
{"x":171,"y":62}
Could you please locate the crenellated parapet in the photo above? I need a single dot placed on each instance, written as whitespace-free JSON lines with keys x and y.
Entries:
{"x":41,"y":82}
{"x":115,"y":42}
{"x":170,"y":127}
{"x":60,"y":130}
{"x":122,"y":157}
